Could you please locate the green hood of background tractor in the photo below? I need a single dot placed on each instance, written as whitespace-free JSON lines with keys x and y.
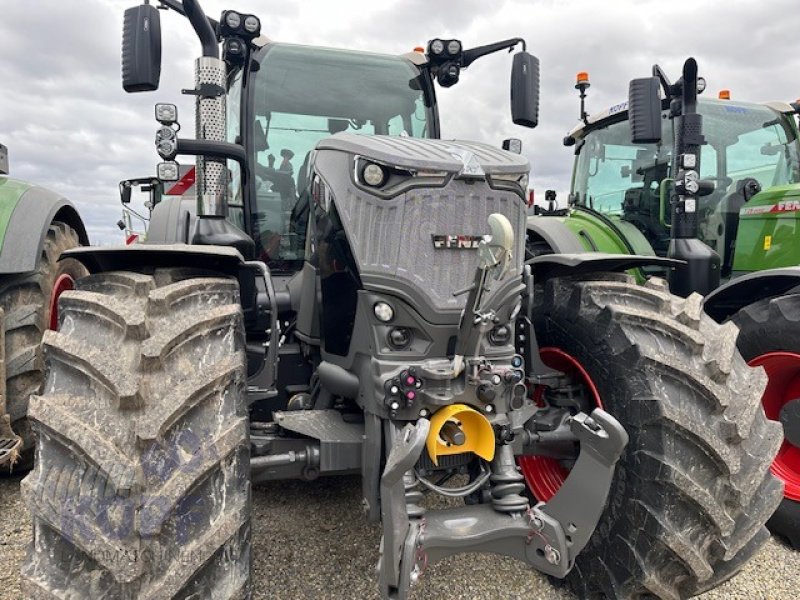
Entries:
{"x":11,"y":190}
{"x":769,"y":230}
{"x":604,"y":233}
{"x":597,"y":232}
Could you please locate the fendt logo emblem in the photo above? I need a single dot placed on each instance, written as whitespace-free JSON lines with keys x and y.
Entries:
{"x":457,"y":242}
{"x":788,"y":205}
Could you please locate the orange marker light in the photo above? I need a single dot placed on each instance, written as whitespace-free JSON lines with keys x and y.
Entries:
{"x":419,"y":49}
{"x":582,"y":77}
{"x":724,"y":94}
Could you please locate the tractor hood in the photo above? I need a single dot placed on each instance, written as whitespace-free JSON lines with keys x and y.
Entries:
{"x":417,"y":234}
{"x":414,"y":154}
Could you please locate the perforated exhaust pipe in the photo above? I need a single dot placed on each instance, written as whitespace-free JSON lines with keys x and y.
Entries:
{"x":210,"y":124}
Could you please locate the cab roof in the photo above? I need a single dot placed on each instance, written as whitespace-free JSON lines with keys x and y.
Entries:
{"x":619,"y":112}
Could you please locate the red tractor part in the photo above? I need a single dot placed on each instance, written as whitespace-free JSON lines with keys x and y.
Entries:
{"x":63,"y":283}
{"x":781,"y":402}
{"x":545,"y":475}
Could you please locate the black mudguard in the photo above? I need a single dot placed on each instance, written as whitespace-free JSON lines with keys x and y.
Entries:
{"x":256,"y":290}
{"x":560,"y":265}
{"x":728,"y":299}
{"x":137,"y":256}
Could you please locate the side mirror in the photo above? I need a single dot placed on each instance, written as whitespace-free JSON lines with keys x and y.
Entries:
{"x":513,"y":145}
{"x":125,"y":188}
{"x":525,"y":90}
{"x":141,"y":49}
{"x":644,"y":110}
{"x":3,"y":160}
{"x":337,"y":125}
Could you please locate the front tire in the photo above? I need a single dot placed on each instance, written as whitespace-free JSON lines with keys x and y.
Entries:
{"x":141,"y":485}
{"x":769,"y":335}
{"x":692,"y":490}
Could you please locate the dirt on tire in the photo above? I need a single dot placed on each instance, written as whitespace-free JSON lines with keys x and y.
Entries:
{"x":141,"y":484}
{"x":692,"y":491}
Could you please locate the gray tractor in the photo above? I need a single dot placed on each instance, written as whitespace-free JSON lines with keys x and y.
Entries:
{"x":347,"y":294}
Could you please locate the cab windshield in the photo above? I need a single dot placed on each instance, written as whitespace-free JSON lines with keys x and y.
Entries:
{"x":302,"y":95}
{"x":743,"y":141}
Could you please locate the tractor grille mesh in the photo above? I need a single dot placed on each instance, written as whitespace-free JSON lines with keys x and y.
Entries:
{"x":395,"y":237}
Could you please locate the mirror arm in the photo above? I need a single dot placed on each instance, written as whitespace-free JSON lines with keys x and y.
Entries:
{"x":474,"y":54}
{"x":689,"y":92}
{"x":177,"y":6}
{"x":203,"y":27}
{"x":662,"y":77}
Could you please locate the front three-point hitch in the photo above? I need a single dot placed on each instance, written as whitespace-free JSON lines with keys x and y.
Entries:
{"x":497,"y":516}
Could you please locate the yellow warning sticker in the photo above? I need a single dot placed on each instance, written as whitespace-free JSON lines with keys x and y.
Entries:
{"x":767,"y":242}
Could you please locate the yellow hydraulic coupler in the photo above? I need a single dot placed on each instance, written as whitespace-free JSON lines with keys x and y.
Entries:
{"x":459,"y":428}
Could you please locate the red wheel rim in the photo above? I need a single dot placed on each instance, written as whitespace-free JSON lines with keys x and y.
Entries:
{"x":545,"y":475}
{"x":783,"y":371}
{"x":64,"y":283}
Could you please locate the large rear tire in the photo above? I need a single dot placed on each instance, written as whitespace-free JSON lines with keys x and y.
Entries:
{"x":27,"y":301}
{"x":692,"y":491}
{"x":141,"y":486}
{"x":769,"y":335}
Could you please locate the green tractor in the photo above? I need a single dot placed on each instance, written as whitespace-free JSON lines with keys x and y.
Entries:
{"x":346,"y":294}
{"x":738,"y":229}
{"x":36,"y":226}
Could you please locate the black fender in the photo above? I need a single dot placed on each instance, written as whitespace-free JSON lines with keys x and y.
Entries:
{"x":728,"y":299}
{"x":256,"y":289}
{"x":139,"y":257}
{"x":560,"y":265}
{"x":172,"y":220}
{"x":35,"y":211}
{"x":557,"y":235}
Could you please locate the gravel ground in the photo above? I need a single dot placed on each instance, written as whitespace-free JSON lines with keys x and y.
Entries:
{"x":317,"y":530}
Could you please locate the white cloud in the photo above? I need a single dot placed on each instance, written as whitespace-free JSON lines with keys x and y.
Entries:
{"x":69,"y":126}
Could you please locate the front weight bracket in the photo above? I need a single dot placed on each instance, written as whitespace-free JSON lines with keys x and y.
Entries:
{"x":579,"y":503}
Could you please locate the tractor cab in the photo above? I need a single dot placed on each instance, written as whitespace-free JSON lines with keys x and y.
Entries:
{"x":749,"y":147}
{"x":297,"y":96}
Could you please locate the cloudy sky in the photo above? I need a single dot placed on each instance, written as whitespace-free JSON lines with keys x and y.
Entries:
{"x":69,"y":126}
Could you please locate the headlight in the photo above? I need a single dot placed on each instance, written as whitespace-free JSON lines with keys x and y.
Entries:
{"x":165,"y":133}
{"x":373,"y":175}
{"x":167,"y":114}
{"x":383,"y":311}
{"x":399,"y":338}
{"x":233,"y":19}
{"x":167,"y":149}
{"x":453,"y":47}
{"x":252,"y":24}
{"x":168,"y":171}
{"x":437,"y":47}
{"x":520,"y":179}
